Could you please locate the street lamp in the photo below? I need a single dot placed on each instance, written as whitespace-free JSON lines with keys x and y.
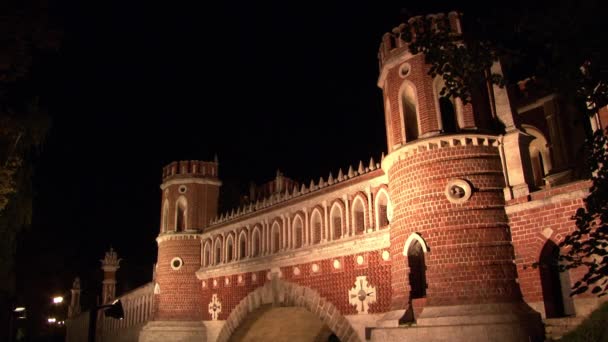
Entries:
{"x":57,"y":300}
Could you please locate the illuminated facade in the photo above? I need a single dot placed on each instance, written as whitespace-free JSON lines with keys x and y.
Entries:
{"x":441,"y":232}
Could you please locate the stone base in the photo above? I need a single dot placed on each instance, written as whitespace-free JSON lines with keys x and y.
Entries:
{"x":504,"y":322}
{"x":173,"y":331}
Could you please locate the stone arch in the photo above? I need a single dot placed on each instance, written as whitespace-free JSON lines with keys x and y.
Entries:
{"x":242,"y":244}
{"x":181,"y":214}
{"x":275,"y":237}
{"x":359,"y":214}
{"x":256,"y":241}
{"x":229,"y":250}
{"x":408,"y":108}
{"x":336,"y":220}
{"x":381,"y":205}
{"x":298,"y":230}
{"x":316,"y":226}
{"x":449,"y":110}
{"x":415,"y":237}
{"x":414,"y":249}
{"x":217,"y":250}
{"x":165,"y":222}
{"x":540,"y":156}
{"x":207,"y":253}
{"x":282,"y":293}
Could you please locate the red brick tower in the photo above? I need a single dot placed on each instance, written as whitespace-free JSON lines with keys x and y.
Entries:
{"x":450,"y":240}
{"x":190,"y":191}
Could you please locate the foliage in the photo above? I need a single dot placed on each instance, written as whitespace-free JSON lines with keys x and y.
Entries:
{"x":588,"y":244}
{"x":556,"y":48}
{"x":592,"y":329}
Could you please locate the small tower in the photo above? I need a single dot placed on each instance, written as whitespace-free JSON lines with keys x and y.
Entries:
{"x":450,"y":239}
{"x":190,"y":192}
{"x":74,"y":308}
{"x":109,"y":265}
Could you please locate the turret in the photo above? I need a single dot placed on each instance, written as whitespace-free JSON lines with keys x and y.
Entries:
{"x":450,"y":239}
{"x":190,"y":191}
{"x":109,"y":264}
{"x":74,"y":308}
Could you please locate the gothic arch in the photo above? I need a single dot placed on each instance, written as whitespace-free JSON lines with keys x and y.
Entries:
{"x":298,"y":230}
{"x":336,"y":216}
{"x":449,"y":122}
{"x":229,"y":250}
{"x":181,"y":214}
{"x":217,"y":250}
{"x":165,"y":223}
{"x":316,"y":226}
{"x":207,"y":253}
{"x":540,"y":157}
{"x":275,"y":237}
{"x":288,"y":294}
{"x":408,"y":109}
{"x":359,"y":213}
{"x":381,"y":205}
{"x":256,"y":241}
{"x":242,"y":244}
{"x":415,"y":237}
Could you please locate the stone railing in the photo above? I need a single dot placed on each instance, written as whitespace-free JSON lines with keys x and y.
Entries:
{"x":138,"y":306}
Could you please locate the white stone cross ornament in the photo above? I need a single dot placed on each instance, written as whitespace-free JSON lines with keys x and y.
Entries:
{"x":215,"y":307}
{"x":362,"y":295}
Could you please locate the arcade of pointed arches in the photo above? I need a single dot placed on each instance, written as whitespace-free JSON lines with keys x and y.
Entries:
{"x":303,"y":228}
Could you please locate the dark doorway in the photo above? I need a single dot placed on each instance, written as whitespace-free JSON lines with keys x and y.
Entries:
{"x":417,"y":277}
{"x":551,"y":281}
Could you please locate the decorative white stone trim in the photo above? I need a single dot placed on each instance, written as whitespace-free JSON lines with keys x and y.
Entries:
{"x":176,"y":236}
{"x":374,"y":241}
{"x":176,"y":263}
{"x":436,"y":142}
{"x":510,"y":209}
{"x":362,"y":295}
{"x":156,"y":289}
{"x":337,"y":264}
{"x":386,"y":256}
{"x":410,"y":239}
{"x":360,"y":259}
{"x":296,"y":271}
{"x":458,"y":191}
{"x":215,"y":307}
{"x":190,"y":180}
{"x":315,"y":268}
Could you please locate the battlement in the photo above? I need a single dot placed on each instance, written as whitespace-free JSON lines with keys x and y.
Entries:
{"x":393,"y":44}
{"x":191,"y":168}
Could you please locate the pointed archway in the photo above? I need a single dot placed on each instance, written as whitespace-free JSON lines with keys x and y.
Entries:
{"x":281,"y":294}
{"x":554,"y":284}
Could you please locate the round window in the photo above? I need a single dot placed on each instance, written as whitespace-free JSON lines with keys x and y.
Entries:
{"x":404,"y":70}
{"x":176,"y":263}
{"x":182,"y":189}
{"x":458,"y":191}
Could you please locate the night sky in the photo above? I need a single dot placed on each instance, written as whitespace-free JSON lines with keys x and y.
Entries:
{"x":137,"y":85}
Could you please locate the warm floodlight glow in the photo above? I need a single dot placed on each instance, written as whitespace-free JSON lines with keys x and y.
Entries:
{"x":19,"y":309}
{"x":51,"y":320}
{"x":57,"y":299}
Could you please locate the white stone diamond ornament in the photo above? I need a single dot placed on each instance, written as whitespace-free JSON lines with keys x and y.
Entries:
{"x":215,"y":307}
{"x":362,"y":295}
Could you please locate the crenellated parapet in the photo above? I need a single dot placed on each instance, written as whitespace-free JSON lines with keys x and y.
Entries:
{"x":190,"y":168}
{"x":394,"y":45}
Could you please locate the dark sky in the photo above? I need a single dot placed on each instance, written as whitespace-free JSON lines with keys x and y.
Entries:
{"x":137,"y":85}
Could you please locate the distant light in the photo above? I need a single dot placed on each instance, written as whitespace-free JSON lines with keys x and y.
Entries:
{"x":51,"y":320}
{"x":19,"y":309}
{"x":57,"y":299}
{"x":22,"y":317}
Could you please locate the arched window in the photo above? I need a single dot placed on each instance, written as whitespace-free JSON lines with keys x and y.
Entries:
{"x":540,"y":159}
{"x":417,"y":276}
{"x":381,"y":209}
{"x":358,"y":216}
{"x":276,"y":237}
{"x":218,"y":251}
{"x":448,"y":115}
{"x":555,"y":284}
{"x":229,"y":248}
{"x":242,"y":245}
{"x":316,"y":226}
{"x":298,"y":232}
{"x":336,"y":221}
{"x":165,"y":225}
{"x":207,"y":254}
{"x":255,"y":246}
{"x":180,"y":216}
{"x":409,"y":112}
